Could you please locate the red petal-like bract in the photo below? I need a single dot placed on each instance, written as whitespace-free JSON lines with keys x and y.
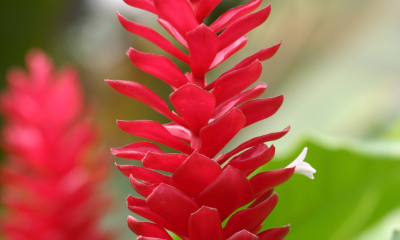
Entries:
{"x":209,"y":229}
{"x":206,"y":186}
{"x":51,"y":179}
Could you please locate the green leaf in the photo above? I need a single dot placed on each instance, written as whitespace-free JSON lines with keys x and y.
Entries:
{"x":396,"y":235}
{"x":351,"y":192}
{"x":174,"y":236}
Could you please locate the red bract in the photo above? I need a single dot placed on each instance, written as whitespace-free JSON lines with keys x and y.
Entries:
{"x":50,"y":181}
{"x":200,"y":193}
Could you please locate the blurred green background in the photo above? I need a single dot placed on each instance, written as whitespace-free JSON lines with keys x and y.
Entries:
{"x":339,"y":68}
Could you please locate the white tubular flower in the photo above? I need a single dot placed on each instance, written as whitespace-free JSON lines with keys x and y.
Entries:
{"x":302,"y":167}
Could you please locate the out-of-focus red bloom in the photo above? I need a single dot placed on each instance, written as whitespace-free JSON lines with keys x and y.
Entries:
{"x":205,"y":186}
{"x":50,"y":181}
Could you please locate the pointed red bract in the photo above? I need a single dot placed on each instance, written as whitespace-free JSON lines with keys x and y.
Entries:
{"x":217,"y":134}
{"x":275,"y":233}
{"x":229,"y":51}
{"x":240,"y":98}
{"x":257,"y":140}
{"x":229,"y":85}
{"x":139,"y":207}
{"x":250,"y":218}
{"x":265,"y":181}
{"x":259,"y":109}
{"x":204,"y":8}
{"x":262,"y":55}
{"x":253,"y":158}
{"x":163,"y":162}
{"x":144,"y":95}
{"x":158,"y":66}
{"x":153,"y":37}
{"x":145,"y":174}
{"x":136,"y":151}
{"x":228,"y":192}
{"x":178,"y":13}
{"x":205,"y":224}
{"x":171,"y":30}
{"x":233,"y":14}
{"x":142,"y":4}
{"x":242,"y":26}
{"x":173,"y":206}
{"x":202,"y":106}
{"x":143,"y":188}
{"x":196,"y":173}
{"x":147,"y":229}
{"x":154,"y":131}
{"x":200,"y":61}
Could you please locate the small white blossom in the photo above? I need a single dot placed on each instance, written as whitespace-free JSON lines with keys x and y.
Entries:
{"x":302,"y":167}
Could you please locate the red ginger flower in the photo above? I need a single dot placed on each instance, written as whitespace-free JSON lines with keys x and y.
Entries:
{"x":50,"y":182}
{"x":202,"y":192}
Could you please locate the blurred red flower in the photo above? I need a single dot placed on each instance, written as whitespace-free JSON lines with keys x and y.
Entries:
{"x":52,"y":174}
{"x":204,"y":186}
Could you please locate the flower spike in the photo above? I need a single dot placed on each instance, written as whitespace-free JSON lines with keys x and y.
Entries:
{"x":207,"y":186}
{"x":50,"y":180}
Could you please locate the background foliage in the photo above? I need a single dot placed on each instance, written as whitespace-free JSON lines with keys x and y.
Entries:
{"x":355,"y":187}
